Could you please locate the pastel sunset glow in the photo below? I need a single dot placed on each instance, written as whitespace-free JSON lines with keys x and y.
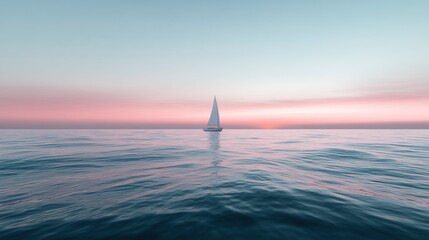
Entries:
{"x":283,"y":64}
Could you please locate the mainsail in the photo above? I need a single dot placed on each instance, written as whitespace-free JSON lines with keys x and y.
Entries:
{"x":214,"y":116}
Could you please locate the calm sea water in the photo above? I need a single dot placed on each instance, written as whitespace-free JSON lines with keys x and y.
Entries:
{"x":239,"y":184}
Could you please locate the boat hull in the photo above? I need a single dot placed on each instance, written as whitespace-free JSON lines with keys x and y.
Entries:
{"x":212,"y":129}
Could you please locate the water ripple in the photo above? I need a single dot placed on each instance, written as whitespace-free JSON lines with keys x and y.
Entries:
{"x":239,"y":184}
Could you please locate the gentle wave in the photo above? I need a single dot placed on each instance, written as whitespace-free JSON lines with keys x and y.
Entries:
{"x":237,"y":184}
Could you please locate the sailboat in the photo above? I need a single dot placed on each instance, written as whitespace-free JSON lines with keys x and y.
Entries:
{"x":214,"y":123}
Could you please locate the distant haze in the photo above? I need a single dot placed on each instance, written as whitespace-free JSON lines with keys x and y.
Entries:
{"x":158,"y":64}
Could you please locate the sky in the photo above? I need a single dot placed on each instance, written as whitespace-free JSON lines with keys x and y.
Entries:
{"x":158,"y":64}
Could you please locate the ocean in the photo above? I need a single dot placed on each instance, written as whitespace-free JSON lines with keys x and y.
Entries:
{"x":237,"y":184}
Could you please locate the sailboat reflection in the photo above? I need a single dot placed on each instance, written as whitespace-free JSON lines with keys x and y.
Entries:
{"x":214,"y":147}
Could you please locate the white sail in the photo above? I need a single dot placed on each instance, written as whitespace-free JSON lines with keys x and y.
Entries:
{"x":214,"y":116}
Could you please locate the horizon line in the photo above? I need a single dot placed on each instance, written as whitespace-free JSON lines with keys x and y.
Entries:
{"x":129,"y":125}
{"x":301,"y":128}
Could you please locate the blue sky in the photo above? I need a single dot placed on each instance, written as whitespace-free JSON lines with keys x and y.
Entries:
{"x":257,"y":51}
